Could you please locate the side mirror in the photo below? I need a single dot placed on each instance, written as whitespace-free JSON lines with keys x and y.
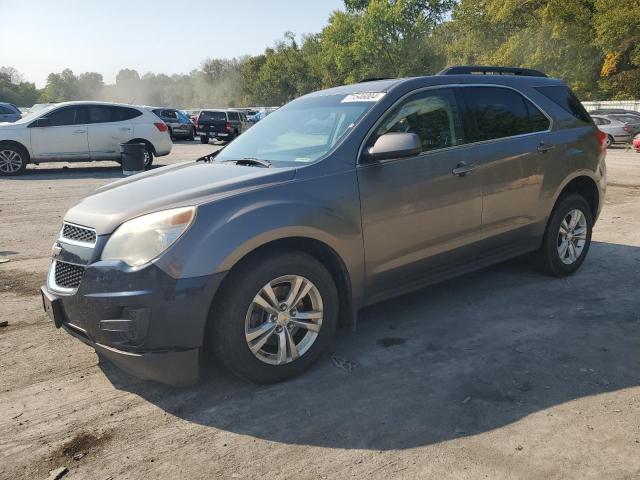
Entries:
{"x":41,"y":122}
{"x":394,"y":145}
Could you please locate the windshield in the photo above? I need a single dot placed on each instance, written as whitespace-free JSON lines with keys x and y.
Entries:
{"x":37,"y":111}
{"x":300,"y":132}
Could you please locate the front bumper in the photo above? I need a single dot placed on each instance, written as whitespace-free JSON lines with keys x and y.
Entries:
{"x":145,"y":321}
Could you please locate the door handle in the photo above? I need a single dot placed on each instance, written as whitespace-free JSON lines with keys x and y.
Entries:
{"x":79,"y":131}
{"x":462,"y":169}
{"x":544,"y":147}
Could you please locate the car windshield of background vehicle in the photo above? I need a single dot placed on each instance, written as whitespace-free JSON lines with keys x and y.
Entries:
{"x":301,"y":132}
{"x":213,"y":116}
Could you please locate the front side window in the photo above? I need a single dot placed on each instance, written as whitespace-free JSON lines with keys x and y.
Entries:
{"x":496,"y":112}
{"x":432,"y":115}
{"x":5,"y":111}
{"x":62,"y":117}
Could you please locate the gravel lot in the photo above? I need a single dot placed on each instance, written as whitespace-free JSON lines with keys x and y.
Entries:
{"x":500,"y":374}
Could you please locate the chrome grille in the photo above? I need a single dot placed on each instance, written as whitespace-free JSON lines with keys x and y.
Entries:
{"x":68,"y":275}
{"x":78,"y":234}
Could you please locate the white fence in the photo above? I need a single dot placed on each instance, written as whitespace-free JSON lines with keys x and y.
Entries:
{"x":626,"y":104}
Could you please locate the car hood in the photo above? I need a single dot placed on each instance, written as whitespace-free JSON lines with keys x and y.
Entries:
{"x":190,"y":183}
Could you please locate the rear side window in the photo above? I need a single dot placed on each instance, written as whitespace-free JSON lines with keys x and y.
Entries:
{"x":495,"y":112}
{"x":564,"y":97}
{"x":126,"y":113}
{"x":6,"y":111}
{"x":213,"y":116}
{"x":99,"y":114}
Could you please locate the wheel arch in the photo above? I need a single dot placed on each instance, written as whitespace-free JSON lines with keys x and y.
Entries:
{"x":146,"y":142}
{"x":15,"y":143}
{"x":585,"y":186}
{"x":320,"y":251}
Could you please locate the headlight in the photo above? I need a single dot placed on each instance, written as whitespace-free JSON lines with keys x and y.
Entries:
{"x":142,"y":239}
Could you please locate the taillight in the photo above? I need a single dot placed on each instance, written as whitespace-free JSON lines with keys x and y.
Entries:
{"x":602,"y":138}
{"x":228,"y":127}
{"x":161,"y":126}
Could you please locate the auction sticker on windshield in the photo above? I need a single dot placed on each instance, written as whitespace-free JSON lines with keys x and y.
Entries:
{"x":363,"y":97}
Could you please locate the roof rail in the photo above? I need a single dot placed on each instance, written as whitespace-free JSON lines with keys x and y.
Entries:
{"x":374,"y":79}
{"x":485,"y":70}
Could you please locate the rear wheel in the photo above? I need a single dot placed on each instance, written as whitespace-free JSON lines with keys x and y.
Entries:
{"x":13,"y":160}
{"x":609,"y":141}
{"x":148,"y":157}
{"x":274,"y":317}
{"x":204,"y":139}
{"x":567,"y":239}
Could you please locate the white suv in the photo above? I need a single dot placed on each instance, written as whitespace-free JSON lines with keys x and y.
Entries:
{"x":80,"y":131}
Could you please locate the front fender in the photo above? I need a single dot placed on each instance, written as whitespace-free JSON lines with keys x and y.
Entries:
{"x":324,"y":208}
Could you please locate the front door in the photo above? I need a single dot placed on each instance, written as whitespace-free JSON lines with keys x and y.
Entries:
{"x":65,"y":137}
{"x":416,"y":211}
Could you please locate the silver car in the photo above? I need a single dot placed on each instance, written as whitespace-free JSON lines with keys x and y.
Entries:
{"x":617,"y":131}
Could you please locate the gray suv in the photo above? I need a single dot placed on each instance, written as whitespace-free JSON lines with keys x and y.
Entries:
{"x":338,"y":200}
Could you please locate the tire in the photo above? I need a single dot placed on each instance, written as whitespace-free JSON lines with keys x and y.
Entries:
{"x":610,"y":141}
{"x":13,"y":160}
{"x":549,"y":259}
{"x":204,"y":139}
{"x":235,"y":315}
{"x":148,"y":157}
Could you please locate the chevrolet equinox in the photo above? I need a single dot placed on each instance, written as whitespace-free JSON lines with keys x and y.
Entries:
{"x":339,"y":199}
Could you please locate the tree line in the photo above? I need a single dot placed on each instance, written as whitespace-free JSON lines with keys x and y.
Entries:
{"x":592,"y":44}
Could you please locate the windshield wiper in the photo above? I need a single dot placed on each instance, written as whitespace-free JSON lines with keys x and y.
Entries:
{"x":250,"y":161}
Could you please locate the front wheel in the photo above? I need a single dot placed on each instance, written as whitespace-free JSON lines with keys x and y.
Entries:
{"x":13,"y":160}
{"x":274,"y":317}
{"x":567,"y":239}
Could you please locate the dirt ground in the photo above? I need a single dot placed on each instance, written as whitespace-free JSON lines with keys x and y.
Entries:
{"x":500,"y":374}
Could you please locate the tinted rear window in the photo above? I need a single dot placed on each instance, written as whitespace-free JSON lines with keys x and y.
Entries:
{"x":565,"y":98}
{"x":214,"y":116}
{"x":501,"y":112}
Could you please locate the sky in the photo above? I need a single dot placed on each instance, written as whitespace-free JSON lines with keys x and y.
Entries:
{"x":38,"y":37}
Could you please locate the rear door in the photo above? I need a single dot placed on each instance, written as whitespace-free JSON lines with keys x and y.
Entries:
{"x":108,"y":128}
{"x":64,"y":139}
{"x":511,"y":151}
{"x":417,"y":215}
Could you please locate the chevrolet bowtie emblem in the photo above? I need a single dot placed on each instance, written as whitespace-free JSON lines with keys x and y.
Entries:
{"x":56,"y":249}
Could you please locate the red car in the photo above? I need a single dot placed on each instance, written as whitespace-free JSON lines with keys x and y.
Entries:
{"x":636,"y":143}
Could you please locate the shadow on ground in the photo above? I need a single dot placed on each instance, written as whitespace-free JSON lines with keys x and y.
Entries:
{"x":464,"y":357}
{"x":84,"y":170}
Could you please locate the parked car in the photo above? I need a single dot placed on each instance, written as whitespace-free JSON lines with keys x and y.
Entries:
{"x":180,"y":126}
{"x":259,"y":252}
{"x":9,"y":112}
{"x":614,"y":111}
{"x":80,"y":131}
{"x":193,"y":115}
{"x":636,"y":143}
{"x":244,"y":120}
{"x":631,"y":121}
{"x":617,"y":131}
{"x":218,"y":124}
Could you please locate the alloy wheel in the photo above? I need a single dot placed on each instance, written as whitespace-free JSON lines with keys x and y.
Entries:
{"x":284,"y":320}
{"x":10,"y":161}
{"x":572,"y":236}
